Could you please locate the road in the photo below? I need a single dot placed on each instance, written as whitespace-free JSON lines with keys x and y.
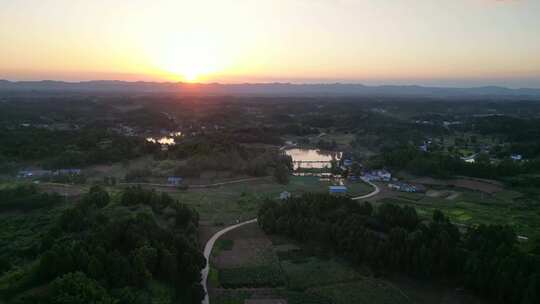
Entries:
{"x":372,"y":193}
{"x":210,"y":244}
{"x":251,"y":179}
{"x":208,"y":250}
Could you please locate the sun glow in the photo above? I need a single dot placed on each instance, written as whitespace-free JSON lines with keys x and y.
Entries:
{"x":188,"y":59}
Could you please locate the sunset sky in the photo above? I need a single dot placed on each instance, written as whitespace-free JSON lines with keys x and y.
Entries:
{"x":430,"y":42}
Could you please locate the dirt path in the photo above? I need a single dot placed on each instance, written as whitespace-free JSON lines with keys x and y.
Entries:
{"x":208,"y":250}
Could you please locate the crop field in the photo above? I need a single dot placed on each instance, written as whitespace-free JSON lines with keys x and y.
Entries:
{"x":245,"y":259}
{"x":364,"y":291}
{"x":249,"y":266}
{"x":473,"y":207}
{"x":251,"y":277}
{"x":312,"y":271}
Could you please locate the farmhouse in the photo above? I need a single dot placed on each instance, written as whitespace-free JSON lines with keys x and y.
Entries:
{"x":174,"y":180}
{"x":404,"y":187}
{"x":516,"y":157}
{"x":337,"y":189}
{"x":67,"y":172}
{"x":377,"y":175}
{"x":34,"y":173}
{"x":469,"y":159}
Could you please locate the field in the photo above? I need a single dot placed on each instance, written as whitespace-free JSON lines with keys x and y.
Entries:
{"x":259,"y":267}
{"x":363,"y":291}
{"x":240,"y":201}
{"x":313,"y":271}
{"x":472,"y":207}
{"x":244,"y":258}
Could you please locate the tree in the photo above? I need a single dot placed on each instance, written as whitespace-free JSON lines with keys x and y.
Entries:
{"x":281,"y":174}
{"x":77,"y":288}
{"x":97,"y":196}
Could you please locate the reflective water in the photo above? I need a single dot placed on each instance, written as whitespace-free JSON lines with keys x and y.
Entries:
{"x":163,"y":140}
{"x":312,"y":158}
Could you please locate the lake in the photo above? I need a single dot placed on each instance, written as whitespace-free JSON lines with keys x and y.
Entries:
{"x":312,"y":158}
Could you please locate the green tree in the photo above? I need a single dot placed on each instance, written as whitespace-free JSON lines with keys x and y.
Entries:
{"x":281,"y":174}
{"x":77,"y":288}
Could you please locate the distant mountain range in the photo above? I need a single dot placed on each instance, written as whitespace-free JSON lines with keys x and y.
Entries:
{"x":266,"y":89}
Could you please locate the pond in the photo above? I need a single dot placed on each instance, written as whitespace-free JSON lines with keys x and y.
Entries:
{"x":162,"y":140}
{"x":313,"y":158}
{"x":165,"y":140}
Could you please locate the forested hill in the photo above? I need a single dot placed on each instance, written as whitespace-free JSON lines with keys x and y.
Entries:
{"x":269,"y":89}
{"x":390,"y":238}
{"x":138,"y":247}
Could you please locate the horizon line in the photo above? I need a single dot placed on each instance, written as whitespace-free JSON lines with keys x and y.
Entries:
{"x":270,"y":83}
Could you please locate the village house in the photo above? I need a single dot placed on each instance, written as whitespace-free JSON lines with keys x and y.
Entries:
{"x":67,"y":172}
{"x":34,"y":173}
{"x":337,"y":189}
{"x":516,"y":157}
{"x":347,"y":162}
{"x":174,"y":180}
{"x":377,"y":176}
{"x":404,"y":187}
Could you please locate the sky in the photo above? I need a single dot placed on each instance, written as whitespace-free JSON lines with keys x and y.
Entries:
{"x":426,"y":42}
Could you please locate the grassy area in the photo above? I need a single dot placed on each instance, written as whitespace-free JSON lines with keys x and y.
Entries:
{"x":229,"y":203}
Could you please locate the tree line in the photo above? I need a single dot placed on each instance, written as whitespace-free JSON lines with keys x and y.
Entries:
{"x":26,"y":198}
{"x":443,"y":165}
{"x":390,"y":238}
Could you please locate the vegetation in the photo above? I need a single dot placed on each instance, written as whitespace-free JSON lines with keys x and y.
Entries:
{"x":26,"y":198}
{"x":92,"y":256}
{"x":393,"y":239}
{"x":252,"y":277}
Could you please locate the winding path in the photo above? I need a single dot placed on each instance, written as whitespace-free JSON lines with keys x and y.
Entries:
{"x":210,"y":244}
{"x":208,"y":249}
{"x":372,"y":193}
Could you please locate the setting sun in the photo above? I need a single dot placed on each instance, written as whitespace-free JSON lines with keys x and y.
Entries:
{"x":187,"y":58}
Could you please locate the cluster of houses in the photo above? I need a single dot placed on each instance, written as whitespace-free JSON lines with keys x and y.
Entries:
{"x":174,"y":180}
{"x":380,"y":175}
{"x":405,"y":187}
{"x":48,"y":173}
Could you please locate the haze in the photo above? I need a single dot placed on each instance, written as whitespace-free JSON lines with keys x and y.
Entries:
{"x":449,"y":43}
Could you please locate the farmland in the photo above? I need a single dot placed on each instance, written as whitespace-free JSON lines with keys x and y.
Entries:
{"x":467,"y":208}
{"x":258,"y":266}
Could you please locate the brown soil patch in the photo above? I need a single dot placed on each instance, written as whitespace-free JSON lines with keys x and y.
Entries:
{"x":250,"y":245}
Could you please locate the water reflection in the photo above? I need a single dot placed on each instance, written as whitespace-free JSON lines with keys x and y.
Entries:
{"x":313,"y":158}
{"x":163,"y":140}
